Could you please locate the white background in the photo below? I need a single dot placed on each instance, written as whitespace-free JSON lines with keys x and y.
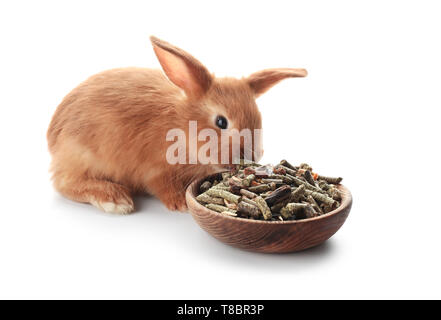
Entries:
{"x":368,"y":111}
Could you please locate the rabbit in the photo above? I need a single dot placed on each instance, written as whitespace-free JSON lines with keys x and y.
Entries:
{"x":107,"y":137}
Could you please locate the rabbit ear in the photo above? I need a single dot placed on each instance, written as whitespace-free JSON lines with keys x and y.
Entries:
{"x":182,"y":69}
{"x":261,"y":81}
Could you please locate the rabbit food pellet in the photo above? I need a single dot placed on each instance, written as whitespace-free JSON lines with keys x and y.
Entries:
{"x":272,"y":193}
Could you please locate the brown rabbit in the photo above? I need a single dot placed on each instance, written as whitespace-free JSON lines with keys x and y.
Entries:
{"x":107,"y":137}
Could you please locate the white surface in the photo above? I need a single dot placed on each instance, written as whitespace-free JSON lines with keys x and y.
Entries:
{"x":368,"y":111}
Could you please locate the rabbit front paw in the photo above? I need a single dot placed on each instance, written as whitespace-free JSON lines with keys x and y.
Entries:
{"x":176,"y":204}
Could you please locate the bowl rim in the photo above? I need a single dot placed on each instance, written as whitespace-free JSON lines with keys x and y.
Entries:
{"x":345,"y":203}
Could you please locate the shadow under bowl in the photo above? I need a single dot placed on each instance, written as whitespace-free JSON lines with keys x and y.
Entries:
{"x":268,"y":236}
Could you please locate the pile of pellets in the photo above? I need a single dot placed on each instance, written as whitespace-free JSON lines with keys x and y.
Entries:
{"x":273,"y":193}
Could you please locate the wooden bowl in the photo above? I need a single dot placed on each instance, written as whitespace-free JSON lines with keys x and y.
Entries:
{"x":268,"y":236}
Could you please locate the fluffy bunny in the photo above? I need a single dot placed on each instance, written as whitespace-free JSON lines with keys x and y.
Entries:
{"x":107,"y":137}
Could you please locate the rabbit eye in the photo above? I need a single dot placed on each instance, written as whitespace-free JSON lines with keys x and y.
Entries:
{"x":221,"y":122}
